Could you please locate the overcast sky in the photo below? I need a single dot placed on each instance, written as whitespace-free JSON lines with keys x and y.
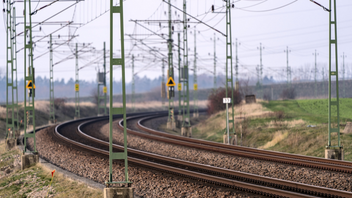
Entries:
{"x":300,"y":25}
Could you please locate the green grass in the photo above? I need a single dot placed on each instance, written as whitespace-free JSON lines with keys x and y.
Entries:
{"x":313,"y":111}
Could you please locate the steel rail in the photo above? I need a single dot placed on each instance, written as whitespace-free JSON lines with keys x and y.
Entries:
{"x":262,"y":190}
{"x":253,"y":178}
{"x":308,"y":161}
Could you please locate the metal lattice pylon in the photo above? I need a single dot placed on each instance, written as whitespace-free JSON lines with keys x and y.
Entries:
{"x":333,"y":72}
{"x":103,"y":84}
{"x":77,"y":109}
{"x":10,"y":69}
{"x":195,"y":84}
{"x":186,"y":122}
{"x":117,"y":11}
{"x":229,"y":69}
{"x":51,"y":84}
{"x":29,"y":115}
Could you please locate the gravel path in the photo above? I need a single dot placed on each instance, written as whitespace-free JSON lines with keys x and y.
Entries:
{"x":324,"y":178}
{"x":147,"y":182}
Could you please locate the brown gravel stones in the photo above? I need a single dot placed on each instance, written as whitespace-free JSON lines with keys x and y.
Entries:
{"x":147,"y":182}
{"x":324,"y":178}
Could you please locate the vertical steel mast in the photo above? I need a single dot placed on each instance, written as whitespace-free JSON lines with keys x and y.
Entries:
{"x":186,"y":122}
{"x":16,"y":119}
{"x":214,"y":61}
{"x":171,"y":91}
{"x":10,"y":86}
{"x":179,"y":86}
{"x":133,"y":84}
{"x":229,"y":70}
{"x":195,"y":84}
{"x":77,"y":110}
{"x":116,"y":13}
{"x":51,"y":84}
{"x":333,"y":72}
{"x":29,"y":115}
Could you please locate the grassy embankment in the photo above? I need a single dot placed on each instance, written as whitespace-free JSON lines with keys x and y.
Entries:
{"x":285,"y":128}
{"x":34,"y":181}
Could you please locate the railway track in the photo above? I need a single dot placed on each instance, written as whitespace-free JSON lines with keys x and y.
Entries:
{"x":224,"y":177}
{"x":287,"y":158}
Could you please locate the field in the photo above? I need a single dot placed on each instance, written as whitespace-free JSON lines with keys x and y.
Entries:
{"x":293,"y":126}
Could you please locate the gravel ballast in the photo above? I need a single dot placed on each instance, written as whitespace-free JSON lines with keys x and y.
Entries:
{"x":317,"y":177}
{"x":147,"y":182}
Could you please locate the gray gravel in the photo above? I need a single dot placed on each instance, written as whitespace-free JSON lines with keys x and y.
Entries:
{"x":147,"y":182}
{"x":324,"y":178}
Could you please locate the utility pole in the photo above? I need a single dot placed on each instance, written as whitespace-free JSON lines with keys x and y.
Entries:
{"x":333,"y":151}
{"x":171,"y":124}
{"x":16,"y":118}
{"x":229,"y":74}
{"x":102,"y":82}
{"x":105,"y":89}
{"x":315,"y":74}
{"x":186,"y":129}
{"x":11,"y":86}
{"x":133,"y":84}
{"x":163,"y":94}
{"x":77,"y":110}
{"x":236,"y":68}
{"x":322,"y":71}
{"x":343,"y":74}
{"x":117,"y":10}
{"x":51,"y":84}
{"x":195,"y":85}
{"x":214,"y":61}
{"x":288,"y":69}
{"x":179,"y":86}
{"x":29,"y":115}
{"x":260,"y":71}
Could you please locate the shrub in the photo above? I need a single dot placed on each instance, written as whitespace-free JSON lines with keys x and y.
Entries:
{"x":59,"y":103}
{"x":288,"y":93}
{"x":215,"y":100}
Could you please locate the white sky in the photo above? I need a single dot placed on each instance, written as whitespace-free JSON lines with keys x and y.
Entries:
{"x":302,"y":26}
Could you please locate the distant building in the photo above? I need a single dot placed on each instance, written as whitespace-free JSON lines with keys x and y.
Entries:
{"x":250,"y":99}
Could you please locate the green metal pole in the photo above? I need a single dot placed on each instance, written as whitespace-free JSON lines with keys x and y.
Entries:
{"x":236,"y":67}
{"x":179,"y":75}
{"x":288,"y":69}
{"x":133,"y":83}
{"x":105,"y":87}
{"x":260,"y":71}
{"x":10,"y":127}
{"x":214,"y":61}
{"x":29,"y":115}
{"x":77,"y":109}
{"x":15,"y":87}
{"x":163,"y":83}
{"x":333,"y":43}
{"x":315,"y":74}
{"x":186,"y":121}
{"x":229,"y":77}
{"x":117,"y":11}
{"x":195,"y":84}
{"x":343,"y":74}
{"x":170,"y":70}
{"x":51,"y":84}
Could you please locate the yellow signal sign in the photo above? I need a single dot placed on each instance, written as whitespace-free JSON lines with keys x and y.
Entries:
{"x":179,"y":86}
{"x":105,"y":90}
{"x":76,"y":87}
{"x":30,"y":85}
{"x":195,"y":86}
{"x":170,"y":82}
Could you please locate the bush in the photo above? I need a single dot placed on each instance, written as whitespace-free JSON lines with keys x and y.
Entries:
{"x":288,"y":93}
{"x":215,"y":100}
{"x":59,"y":103}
